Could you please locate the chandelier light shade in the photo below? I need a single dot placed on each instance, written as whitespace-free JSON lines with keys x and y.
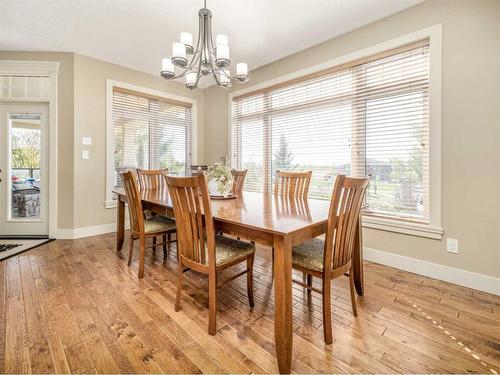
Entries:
{"x":222,"y":40}
{"x":242,"y":72}
{"x":187,"y":40}
{"x":225,"y":79}
{"x":167,"y":68}
{"x":191,"y":80}
{"x":179,"y":54}
{"x":203,"y":60}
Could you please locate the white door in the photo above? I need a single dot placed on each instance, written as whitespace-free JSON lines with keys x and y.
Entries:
{"x":24,"y":169}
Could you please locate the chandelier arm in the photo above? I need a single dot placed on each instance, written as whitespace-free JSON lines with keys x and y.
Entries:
{"x":206,"y":41}
{"x":198,"y":75}
{"x":221,"y":71}
{"x":213,"y":48}
{"x":200,"y":16}
{"x":180,"y":75}
{"x":201,"y":33}
{"x":214,"y":70}
{"x":211,"y":57}
{"x":187,"y":69}
{"x":211,"y":39}
{"x":197,"y":80}
{"x":194,"y":61}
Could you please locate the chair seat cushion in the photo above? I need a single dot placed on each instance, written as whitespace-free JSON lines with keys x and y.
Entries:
{"x":228,"y":250}
{"x":309,"y":254}
{"x":158,"y":224}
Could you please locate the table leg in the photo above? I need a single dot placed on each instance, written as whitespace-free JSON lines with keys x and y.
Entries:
{"x":283,"y":302}
{"x":120,"y":224}
{"x":358,"y":260}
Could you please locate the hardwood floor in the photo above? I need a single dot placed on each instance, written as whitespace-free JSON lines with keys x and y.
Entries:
{"x":75,"y":306}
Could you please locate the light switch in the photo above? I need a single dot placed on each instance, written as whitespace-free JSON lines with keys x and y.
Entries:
{"x":452,"y":245}
{"x":85,"y":154}
{"x":87,"y":141}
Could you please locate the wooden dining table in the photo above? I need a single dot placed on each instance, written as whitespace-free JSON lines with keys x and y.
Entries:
{"x":269,"y":220}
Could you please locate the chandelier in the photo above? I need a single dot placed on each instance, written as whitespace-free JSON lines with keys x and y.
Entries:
{"x":205,"y":59}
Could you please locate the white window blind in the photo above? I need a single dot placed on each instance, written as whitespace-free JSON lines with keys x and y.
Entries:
{"x":150,"y":133}
{"x":370,"y":116}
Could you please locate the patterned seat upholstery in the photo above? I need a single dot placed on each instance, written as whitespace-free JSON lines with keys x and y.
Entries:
{"x":228,"y":249}
{"x":158,"y":224}
{"x":309,"y":254}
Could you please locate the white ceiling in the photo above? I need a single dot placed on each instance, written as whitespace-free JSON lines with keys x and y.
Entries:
{"x":138,"y":33}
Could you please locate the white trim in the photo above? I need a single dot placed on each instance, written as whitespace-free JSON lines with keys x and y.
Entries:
{"x":50,"y":69}
{"x":398,"y":226}
{"x":110,"y":204}
{"x":457,"y":276}
{"x":95,"y":230}
{"x":44,"y":68}
{"x":110,"y":85}
{"x":434,"y":33}
{"x":64,"y":234}
{"x":435,"y":53}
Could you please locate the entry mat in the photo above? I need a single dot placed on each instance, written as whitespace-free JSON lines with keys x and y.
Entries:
{"x":11,"y":247}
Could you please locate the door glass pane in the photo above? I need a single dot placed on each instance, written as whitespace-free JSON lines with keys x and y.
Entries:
{"x":25,"y":162}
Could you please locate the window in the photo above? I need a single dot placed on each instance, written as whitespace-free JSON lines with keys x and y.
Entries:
{"x":370,"y":116}
{"x":147,"y":132}
{"x":24,"y":87}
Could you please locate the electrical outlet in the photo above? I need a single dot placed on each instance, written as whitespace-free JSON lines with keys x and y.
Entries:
{"x":85,"y":155}
{"x":452,"y":245}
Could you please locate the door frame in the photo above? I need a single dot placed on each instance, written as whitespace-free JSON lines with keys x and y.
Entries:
{"x":13,"y":226}
{"x":47,"y":69}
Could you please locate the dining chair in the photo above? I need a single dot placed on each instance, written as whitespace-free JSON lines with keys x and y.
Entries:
{"x":292,"y":184}
{"x":154,"y":179}
{"x":199,"y":248}
{"x":140,"y":227}
{"x":239,"y":180}
{"x":330,"y":258}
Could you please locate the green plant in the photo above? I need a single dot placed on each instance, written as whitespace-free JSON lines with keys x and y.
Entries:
{"x":283,"y":156}
{"x":221,"y":174}
{"x":25,"y":148}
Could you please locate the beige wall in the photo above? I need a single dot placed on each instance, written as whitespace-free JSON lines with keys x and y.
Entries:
{"x":65,"y":127}
{"x":90,"y":120}
{"x":82,"y":112}
{"x":470,"y":124}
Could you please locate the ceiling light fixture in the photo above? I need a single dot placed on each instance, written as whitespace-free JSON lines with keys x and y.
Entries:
{"x":205,"y":59}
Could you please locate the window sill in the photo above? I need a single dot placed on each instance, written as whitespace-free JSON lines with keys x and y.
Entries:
{"x":413,"y":229}
{"x":110,"y":204}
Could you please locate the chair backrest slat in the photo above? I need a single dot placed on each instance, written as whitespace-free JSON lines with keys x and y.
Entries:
{"x":134,"y":202}
{"x":239,"y":181}
{"x":193,"y":216}
{"x":292,"y":184}
{"x":152,"y":178}
{"x":343,"y":218}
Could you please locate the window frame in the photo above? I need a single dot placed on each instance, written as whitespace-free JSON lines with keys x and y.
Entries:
{"x":111,"y":85}
{"x":432,"y":230}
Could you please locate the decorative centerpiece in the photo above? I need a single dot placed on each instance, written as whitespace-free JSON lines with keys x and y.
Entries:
{"x":219,"y":179}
